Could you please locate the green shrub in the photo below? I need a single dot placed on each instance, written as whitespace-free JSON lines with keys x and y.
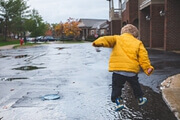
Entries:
{"x":8,"y":42}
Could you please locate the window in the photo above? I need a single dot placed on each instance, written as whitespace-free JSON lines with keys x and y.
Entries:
{"x":92,"y":32}
{"x":102,"y":32}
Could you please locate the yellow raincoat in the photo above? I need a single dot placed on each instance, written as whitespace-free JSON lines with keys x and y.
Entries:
{"x":128,"y":53}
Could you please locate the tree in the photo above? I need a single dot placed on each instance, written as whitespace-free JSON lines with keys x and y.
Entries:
{"x":48,"y":33}
{"x":59,"y":30}
{"x":20,"y":15}
{"x":49,"y":30}
{"x":35,"y":24}
{"x":13,"y":13}
{"x":6,"y":13}
{"x":71,"y":28}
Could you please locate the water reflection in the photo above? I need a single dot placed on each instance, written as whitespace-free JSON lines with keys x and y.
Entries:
{"x":11,"y":79}
{"x":21,"y":56}
{"x":26,"y":68}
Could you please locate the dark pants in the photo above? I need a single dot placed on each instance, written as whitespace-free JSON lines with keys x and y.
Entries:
{"x":118,"y":82}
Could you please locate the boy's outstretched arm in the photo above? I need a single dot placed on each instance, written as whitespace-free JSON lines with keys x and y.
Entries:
{"x":106,"y":41}
{"x":97,"y":45}
{"x":144,"y":60}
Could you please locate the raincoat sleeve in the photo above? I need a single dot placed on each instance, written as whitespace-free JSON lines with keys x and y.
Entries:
{"x":106,"y":41}
{"x":144,"y":60}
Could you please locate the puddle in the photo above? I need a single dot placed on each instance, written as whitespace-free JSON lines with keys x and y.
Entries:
{"x":60,"y":48}
{"x":27,"y":68}
{"x":11,"y":79}
{"x":36,"y":57}
{"x":155,"y":109}
{"x":21,"y":56}
{"x":34,"y":99}
{"x":3,"y":56}
{"x":166,"y":64}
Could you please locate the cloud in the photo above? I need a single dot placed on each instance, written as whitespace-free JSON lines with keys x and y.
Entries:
{"x":54,"y":11}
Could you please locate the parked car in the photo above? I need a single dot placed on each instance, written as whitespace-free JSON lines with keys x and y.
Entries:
{"x":30,"y":39}
{"x":40,"y":38}
{"x":49,"y":38}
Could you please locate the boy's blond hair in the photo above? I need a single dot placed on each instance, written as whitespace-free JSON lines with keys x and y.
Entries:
{"x":129,"y":28}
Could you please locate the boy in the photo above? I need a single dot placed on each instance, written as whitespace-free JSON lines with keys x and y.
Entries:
{"x":128,"y":55}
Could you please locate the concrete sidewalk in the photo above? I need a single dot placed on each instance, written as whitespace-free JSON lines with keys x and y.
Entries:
{"x":171,"y":93}
{"x":6,"y":47}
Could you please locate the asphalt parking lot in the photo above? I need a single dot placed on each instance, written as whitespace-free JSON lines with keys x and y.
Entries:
{"x":79,"y":75}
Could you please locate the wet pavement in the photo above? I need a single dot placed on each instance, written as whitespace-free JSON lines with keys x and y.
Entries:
{"x":79,"y":75}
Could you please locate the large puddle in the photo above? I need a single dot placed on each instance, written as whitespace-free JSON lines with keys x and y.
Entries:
{"x":27,"y":68}
{"x":155,"y":109}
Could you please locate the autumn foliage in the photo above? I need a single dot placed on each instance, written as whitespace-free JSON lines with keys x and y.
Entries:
{"x":59,"y":29}
{"x":48,"y":33}
{"x":69,"y":28}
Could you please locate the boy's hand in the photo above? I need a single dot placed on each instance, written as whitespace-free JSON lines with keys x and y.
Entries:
{"x":150,"y":70}
{"x":99,"y":45}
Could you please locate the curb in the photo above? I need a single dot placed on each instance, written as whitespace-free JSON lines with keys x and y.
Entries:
{"x":171,"y":94}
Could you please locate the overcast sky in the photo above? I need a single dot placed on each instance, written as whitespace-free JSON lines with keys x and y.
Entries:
{"x":55,"y":11}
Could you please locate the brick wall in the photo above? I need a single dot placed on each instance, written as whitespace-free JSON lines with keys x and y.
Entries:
{"x":131,"y":12}
{"x":125,"y":14}
{"x":144,"y":27}
{"x":116,"y":25}
{"x":133,"y":15}
{"x":156,"y":26}
{"x":172,"y":25}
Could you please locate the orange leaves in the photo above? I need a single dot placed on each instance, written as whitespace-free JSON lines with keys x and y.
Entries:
{"x":59,"y":29}
{"x":48,"y":33}
{"x":69,"y":28}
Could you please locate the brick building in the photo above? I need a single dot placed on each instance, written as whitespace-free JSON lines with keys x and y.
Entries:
{"x":172,"y":25}
{"x":92,"y":27}
{"x":158,"y":21}
{"x":151,"y":23}
{"x":115,"y":16}
{"x":130,"y":12}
